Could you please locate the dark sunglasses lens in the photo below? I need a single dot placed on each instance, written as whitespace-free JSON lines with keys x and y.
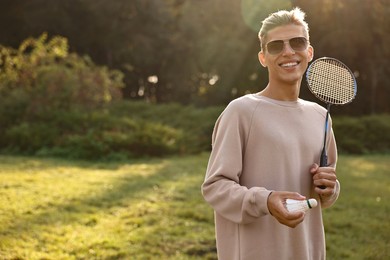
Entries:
{"x":298,"y":44}
{"x":275,"y":47}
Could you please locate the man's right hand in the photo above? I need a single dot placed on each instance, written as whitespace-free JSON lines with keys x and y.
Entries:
{"x":276,"y":207}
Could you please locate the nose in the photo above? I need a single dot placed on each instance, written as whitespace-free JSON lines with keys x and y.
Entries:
{"x":287,"y":48}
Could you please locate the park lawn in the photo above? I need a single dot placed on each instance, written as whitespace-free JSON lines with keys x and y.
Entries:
{"x":153,"y":209}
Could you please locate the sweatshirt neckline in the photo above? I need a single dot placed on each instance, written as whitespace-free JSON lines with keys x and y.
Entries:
{"x":295,"y":103}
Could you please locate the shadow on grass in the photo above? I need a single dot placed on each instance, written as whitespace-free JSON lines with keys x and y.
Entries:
{"x":127,"y":190}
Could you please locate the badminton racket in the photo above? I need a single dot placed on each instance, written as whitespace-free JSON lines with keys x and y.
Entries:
{"x":332,"y":82}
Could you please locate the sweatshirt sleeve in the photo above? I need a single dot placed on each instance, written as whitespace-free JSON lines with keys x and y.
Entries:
{"x":221,"y":187}
{"x":332,"y":159}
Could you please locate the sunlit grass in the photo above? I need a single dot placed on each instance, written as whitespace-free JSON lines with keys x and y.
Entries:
{"x":153,"y":209}
{"x":358,"y":225}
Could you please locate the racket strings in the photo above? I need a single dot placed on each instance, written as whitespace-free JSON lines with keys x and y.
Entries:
{"x":331,"y":82}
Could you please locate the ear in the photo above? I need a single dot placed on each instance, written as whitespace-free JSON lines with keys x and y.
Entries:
{"x":310,"y":52}
{"x":262,"y":60}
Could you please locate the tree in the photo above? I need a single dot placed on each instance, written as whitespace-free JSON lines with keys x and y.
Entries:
{"x":205,"y":52}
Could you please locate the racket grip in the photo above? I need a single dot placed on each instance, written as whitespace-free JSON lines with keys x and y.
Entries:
{"x":323,"y":162}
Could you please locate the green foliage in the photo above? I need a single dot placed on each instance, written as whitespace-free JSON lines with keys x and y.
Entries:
{"x":205,"y":52}
{"x":195,"y":124}
{"x":53,"y":102}
{"x":367,"y":134}
{"x":41,"y":75}
{"x":46,"y":93}
{"x":132,"y":129}
{"x":56,"y":103}
{"x":153,"y":209}
{"x":124,"y":138}
{"x":122,"y":130}
{"x":29,"y":137}
{"x":91,"y":136}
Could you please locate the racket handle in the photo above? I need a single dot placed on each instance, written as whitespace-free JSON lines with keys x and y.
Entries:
{"x":323,"y":162}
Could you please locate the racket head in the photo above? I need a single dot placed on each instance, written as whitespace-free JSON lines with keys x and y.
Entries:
{"x":331,"y":81}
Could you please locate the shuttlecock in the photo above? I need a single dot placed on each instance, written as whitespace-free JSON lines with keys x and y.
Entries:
{"x":300,"y":205}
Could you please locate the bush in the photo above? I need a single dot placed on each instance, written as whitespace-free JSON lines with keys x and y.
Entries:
{"x":195,"y":124}
{"x":122,"y":130}
{"x":366,"y":134}
{"x":56,"y":103}
{"x":127,"y":141}
{"x":129,"y":129}
{"x":29,"y":137}
{"x":41,"y":76}
{"x":94,"y":135}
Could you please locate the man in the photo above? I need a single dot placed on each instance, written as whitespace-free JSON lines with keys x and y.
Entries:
{"x":266,"y":149}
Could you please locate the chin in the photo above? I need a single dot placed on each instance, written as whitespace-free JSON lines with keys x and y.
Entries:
{"x":292,"y":80}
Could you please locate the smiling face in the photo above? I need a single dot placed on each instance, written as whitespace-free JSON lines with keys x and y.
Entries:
{"x":287,"y":67}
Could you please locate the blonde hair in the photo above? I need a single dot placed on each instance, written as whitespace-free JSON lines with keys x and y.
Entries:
{"x":295,"y":16}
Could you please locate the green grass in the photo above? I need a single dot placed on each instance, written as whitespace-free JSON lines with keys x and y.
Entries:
{"x":153,"y":209}
{"x":358,"y":225}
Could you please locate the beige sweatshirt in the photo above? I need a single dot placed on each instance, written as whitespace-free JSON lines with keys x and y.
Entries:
{"x":260,"y":145}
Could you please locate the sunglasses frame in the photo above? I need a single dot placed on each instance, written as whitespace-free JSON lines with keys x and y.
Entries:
{"x":289,"y":43}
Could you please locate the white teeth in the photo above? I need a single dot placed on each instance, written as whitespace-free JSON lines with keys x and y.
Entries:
{"x":290,"y":64}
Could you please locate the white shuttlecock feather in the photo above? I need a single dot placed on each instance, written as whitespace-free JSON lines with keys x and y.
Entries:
{"x":300,"y":205}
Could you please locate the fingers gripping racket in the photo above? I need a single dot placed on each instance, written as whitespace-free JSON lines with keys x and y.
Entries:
{"x":332,"y":82}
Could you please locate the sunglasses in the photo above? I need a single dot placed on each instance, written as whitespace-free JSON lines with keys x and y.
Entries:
{"x":277,"y":46}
